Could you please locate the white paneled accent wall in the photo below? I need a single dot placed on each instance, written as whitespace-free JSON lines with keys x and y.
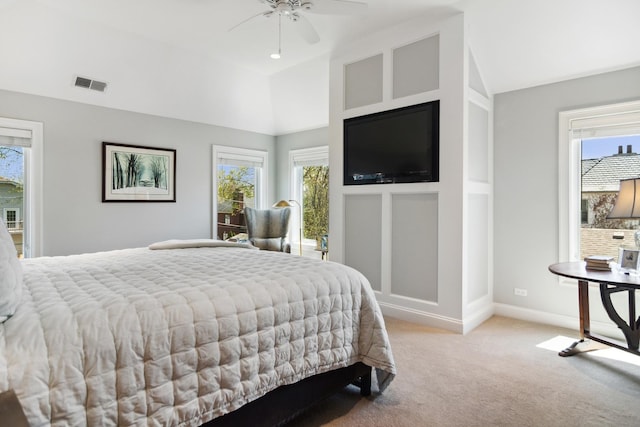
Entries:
{"x":478,"y":247}
{"x":363,"y":82}
{"x":479,"y":260}
{"x":425,"y":247}
{"x":478,"y":143}
{"x":363,"y":238}
{"x":415,"y":67}
{"x":414,"y":230}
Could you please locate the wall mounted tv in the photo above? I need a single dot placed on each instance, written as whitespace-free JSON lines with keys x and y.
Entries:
{"x":395,"y":146}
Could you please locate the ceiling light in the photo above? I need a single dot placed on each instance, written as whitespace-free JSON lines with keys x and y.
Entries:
{"x":284,"y":7}
{"x":278,"y":54}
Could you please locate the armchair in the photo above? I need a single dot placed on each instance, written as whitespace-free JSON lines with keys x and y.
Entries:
{"x":267,"y":228}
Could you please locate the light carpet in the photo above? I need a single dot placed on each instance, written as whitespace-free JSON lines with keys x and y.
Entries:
{"x":497,"y":375}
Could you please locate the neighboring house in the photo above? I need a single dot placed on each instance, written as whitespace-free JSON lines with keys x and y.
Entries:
{"x":600,"y":184}
{"x":601,"y":179}
{"x":231,"y":220}
{"x":11,"y":202}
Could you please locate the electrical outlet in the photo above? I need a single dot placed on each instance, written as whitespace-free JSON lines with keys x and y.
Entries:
{"x":520,"y":292}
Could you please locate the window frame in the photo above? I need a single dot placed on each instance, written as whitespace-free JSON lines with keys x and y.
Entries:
{"x":33,"y":185}
{"x":242,"y":155}
{"x":575,"y":125}
{"x":314,"y":156}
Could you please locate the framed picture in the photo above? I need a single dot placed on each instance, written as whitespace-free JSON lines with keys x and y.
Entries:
{"x":133,"y":173}
{"x":629,"y":258}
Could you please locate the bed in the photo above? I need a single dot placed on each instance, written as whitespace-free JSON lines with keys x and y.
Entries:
{"x":184,"y":333}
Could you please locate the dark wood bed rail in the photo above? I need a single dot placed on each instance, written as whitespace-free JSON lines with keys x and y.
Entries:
{"x":284,"y":403}
{"x":274,"y":409}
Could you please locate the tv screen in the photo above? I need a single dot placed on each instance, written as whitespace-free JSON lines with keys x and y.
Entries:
{"x":395,"y":146}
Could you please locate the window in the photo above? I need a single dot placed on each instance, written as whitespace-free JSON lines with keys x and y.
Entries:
{"x":310,"y":185}
{"x":21,"y":183}
{"x":598,"y":147}
{"x":240,"y":180}
{"x":605,"y":162}
{"x":12,"y":190}
{"x":584,"y":211}
{"x":12,"y":217}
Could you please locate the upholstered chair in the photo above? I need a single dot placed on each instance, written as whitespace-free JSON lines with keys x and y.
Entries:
{"x":267,"y":228}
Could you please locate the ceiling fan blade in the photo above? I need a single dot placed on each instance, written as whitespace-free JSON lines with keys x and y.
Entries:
{"x":306,"y":30}
{"x":337,"y":7}
{"x":264,"y":14}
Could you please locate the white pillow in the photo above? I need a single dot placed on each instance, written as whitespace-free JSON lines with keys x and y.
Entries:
{"x":10,"y":275}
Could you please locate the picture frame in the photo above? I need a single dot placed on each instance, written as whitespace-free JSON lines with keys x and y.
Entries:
{"x":629,"y":258}
{"x":136,"y":173}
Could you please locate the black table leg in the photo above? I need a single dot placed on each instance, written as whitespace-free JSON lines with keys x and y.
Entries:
{"x":630,"y":330}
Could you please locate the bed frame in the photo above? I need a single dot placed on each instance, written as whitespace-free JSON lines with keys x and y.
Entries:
{"x":284,"y":403}
{"x":276,"y":408}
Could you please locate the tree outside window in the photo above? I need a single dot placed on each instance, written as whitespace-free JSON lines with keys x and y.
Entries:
{"x":236,"y":189}
{"x":315,"y":202}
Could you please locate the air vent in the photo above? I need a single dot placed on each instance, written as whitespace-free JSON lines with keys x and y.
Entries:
{"x":90,"y":84}
{"x":82,"y":82}
{"x":99,"y":86}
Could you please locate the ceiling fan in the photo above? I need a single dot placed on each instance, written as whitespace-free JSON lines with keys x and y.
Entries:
{"x":295,"y":10}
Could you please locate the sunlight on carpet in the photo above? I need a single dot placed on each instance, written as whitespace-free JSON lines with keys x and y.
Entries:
{"x":561,"y":342}
{"x":557,"y":344}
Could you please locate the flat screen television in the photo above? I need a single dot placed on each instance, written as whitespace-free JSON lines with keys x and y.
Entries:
{"x":395,"y":146}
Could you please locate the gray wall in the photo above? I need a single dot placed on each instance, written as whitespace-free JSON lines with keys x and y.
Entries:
{"x":75,"y":219}
{"x":526,"y":177}
{"x":294,"y":141}
{"x":526,"y":184}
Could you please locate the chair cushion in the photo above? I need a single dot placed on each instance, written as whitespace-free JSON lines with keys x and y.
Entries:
{"x":267,"y":228}
{"x":267,"y":223}
{"x":270,"y":244}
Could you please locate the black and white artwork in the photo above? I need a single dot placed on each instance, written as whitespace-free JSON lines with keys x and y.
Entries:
{"x":133,"y":173}
{"x":629,"y":258}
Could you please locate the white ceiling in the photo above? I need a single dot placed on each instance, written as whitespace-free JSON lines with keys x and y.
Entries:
{"x":153,"y":51}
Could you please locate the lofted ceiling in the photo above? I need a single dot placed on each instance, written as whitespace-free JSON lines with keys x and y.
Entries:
{"x":177,"y":58}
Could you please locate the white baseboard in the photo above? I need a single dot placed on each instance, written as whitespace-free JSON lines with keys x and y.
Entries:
{"x":434,"y":320}
{"x":569,"y":322}
{"x":477,"y":318}
{"x":421,"y":317}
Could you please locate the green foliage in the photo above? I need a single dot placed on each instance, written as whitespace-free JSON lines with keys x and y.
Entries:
{"x":235,"y":185}
{"x":316,"y":201}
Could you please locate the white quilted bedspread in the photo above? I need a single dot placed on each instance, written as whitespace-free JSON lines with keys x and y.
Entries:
{"x":179,"y":337}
